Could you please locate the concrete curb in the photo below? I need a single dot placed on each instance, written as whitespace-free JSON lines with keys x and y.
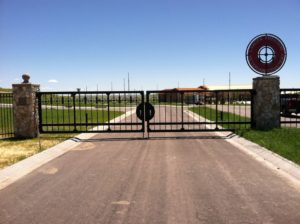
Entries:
{"x":270,"y":159}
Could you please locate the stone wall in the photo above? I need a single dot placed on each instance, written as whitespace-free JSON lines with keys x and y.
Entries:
{"x":266,"y":102}
{"x":25,"y":110}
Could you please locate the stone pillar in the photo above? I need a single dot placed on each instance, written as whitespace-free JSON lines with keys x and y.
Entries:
{"x":25,"y":109}
{"x":266,"y":102}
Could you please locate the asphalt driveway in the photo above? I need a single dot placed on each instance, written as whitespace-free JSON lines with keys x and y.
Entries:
{"x":202,"y":179}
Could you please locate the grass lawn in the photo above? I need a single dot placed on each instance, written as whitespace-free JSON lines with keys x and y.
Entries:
{"x":83,"y":117}
{"x":283,"y":141}
{"x":5,"y":90}
{"x":6,"y":120}
{"x":13,"y":150}
{"x":212,"y":115}
{"x":60,"y":117}
{"x":5,"y":97}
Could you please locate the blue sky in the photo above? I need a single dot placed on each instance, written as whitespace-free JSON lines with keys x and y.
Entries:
{"x":68,"y":44}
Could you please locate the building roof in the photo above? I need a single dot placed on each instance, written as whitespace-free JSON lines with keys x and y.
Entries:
{"x":225,"y":87}
{"x":186,"y":89}
{"x":211,"y":87}
{"x":203,"y":87}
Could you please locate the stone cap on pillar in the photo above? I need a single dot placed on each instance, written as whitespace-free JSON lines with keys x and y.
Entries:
{"x":25,"y":78}
{"x":266,"y":77}
{"x":25,"y":85}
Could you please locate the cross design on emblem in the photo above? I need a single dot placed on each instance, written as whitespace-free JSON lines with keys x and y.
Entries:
{"x":266,"y":54}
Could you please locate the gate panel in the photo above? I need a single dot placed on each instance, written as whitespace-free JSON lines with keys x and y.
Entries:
{"x":6,"y":115}
{"x":290,"y":108}
{"x":201,"y":110}
{"x":93,"y":111}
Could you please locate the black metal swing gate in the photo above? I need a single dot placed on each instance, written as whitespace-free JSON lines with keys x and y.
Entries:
{"x":129,"y":111}
{"x":90,"y":111}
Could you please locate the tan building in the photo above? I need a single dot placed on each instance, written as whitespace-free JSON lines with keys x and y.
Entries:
{"x":191,"y":95}
{"x":194,"y":96}
{"x":226,"y":87}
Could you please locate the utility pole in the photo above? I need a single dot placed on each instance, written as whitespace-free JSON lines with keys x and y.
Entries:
{"x":229,"y":81}
{"x":128,"y":82}
{"x":124,"y":85}
{"x":229,"y":87}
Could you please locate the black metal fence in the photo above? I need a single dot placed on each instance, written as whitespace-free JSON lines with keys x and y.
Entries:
{"x":174,"y":111}
{"x":65,"y":112}
{"x":290,"y":107}
{"x":6,"y":115}
{"x":201,"y":110}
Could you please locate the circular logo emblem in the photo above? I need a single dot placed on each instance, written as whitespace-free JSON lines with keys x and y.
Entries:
{"x":149,"y":111}
{"x":140,"y":111}
{"x":266,"y":54}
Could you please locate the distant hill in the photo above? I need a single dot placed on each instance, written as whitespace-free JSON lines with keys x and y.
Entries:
{"x":5,"y":90}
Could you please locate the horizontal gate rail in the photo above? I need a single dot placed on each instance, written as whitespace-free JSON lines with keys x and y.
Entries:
{"x":187,"y":123}
{"x":200,"y":110}
{"x":89,"y":111}
{"x":290,"y":107}
{"x":6,"y":115}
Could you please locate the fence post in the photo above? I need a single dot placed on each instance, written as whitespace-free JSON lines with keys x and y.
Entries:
{"x":25,"y":109}
{"x":266,"y":102}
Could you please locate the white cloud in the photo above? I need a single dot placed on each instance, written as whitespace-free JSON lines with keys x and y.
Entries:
{"x":52,"y":81}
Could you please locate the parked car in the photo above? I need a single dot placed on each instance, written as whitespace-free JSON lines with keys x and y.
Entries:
{"x":290,"y":103}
